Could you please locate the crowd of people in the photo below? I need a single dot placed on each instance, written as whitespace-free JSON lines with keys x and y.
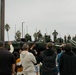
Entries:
{"x":28,"y":62}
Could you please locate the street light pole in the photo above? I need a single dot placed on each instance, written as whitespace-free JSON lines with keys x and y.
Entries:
{"x":22,"y":29}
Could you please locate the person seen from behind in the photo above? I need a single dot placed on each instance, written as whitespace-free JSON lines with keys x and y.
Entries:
{"x":34,"y":52}
{"x":7,"y":61}
{"x":59,"y":55}
{"x":27,"y":60}
{"x":48,"y":59}
{"x":67,"y":63}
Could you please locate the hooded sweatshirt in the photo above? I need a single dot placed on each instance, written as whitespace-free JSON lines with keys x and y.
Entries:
{"x":48,"y":61}
{"x":67,"y":63}
{"x":28,"y":60}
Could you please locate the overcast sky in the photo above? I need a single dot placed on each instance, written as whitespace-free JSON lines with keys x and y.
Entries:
{"x":44,"y":15}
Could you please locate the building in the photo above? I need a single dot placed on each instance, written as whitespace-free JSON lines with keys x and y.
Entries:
{"x":2,"y":11}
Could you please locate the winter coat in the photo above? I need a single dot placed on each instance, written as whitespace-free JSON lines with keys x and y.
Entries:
{"x":48,"y":59}
{"x":67,"y":64}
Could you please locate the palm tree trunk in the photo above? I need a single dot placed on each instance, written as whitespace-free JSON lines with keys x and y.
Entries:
{"x":8,"y":35}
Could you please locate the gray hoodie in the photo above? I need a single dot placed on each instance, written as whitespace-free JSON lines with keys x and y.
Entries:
{"x":28,"y":60}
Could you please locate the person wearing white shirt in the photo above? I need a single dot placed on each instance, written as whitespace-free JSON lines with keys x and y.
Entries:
{"x":11,"y":47}
{"x":28,"y":60}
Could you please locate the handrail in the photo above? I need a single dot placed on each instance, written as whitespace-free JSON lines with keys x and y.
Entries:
{"x":73,"y":42}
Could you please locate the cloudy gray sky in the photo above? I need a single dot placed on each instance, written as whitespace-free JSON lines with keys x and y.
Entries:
{"x":44,"y":15}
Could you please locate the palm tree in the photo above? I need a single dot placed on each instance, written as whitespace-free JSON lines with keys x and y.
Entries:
{"x":55,"y":33}
{"x":7,"y":27}
{"x":18,"y":35}
{"x":27,"y":37}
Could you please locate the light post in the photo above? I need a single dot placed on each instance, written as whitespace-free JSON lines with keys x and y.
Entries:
{"x":22,"y":29}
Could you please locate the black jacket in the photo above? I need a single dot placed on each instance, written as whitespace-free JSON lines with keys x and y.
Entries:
{"x":48,"y":59}
{"x":67,"y":64}
{"x":6,"y":61}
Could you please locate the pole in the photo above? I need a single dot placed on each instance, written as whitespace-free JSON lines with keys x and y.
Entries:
{"x":22,"y":29}
{"x":15,"y":32}
{"x":26,"y":29}
{"x":36,"y":29}
{"x":15,"y":29}
{"x":46,"y":31}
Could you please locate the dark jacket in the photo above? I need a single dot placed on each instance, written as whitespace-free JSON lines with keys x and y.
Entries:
{"x":67,"y":64}
{"x":6,"y":61}
{"x":48,"y":59}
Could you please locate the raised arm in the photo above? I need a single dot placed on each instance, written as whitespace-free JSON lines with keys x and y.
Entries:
{"x":11,"y":47}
